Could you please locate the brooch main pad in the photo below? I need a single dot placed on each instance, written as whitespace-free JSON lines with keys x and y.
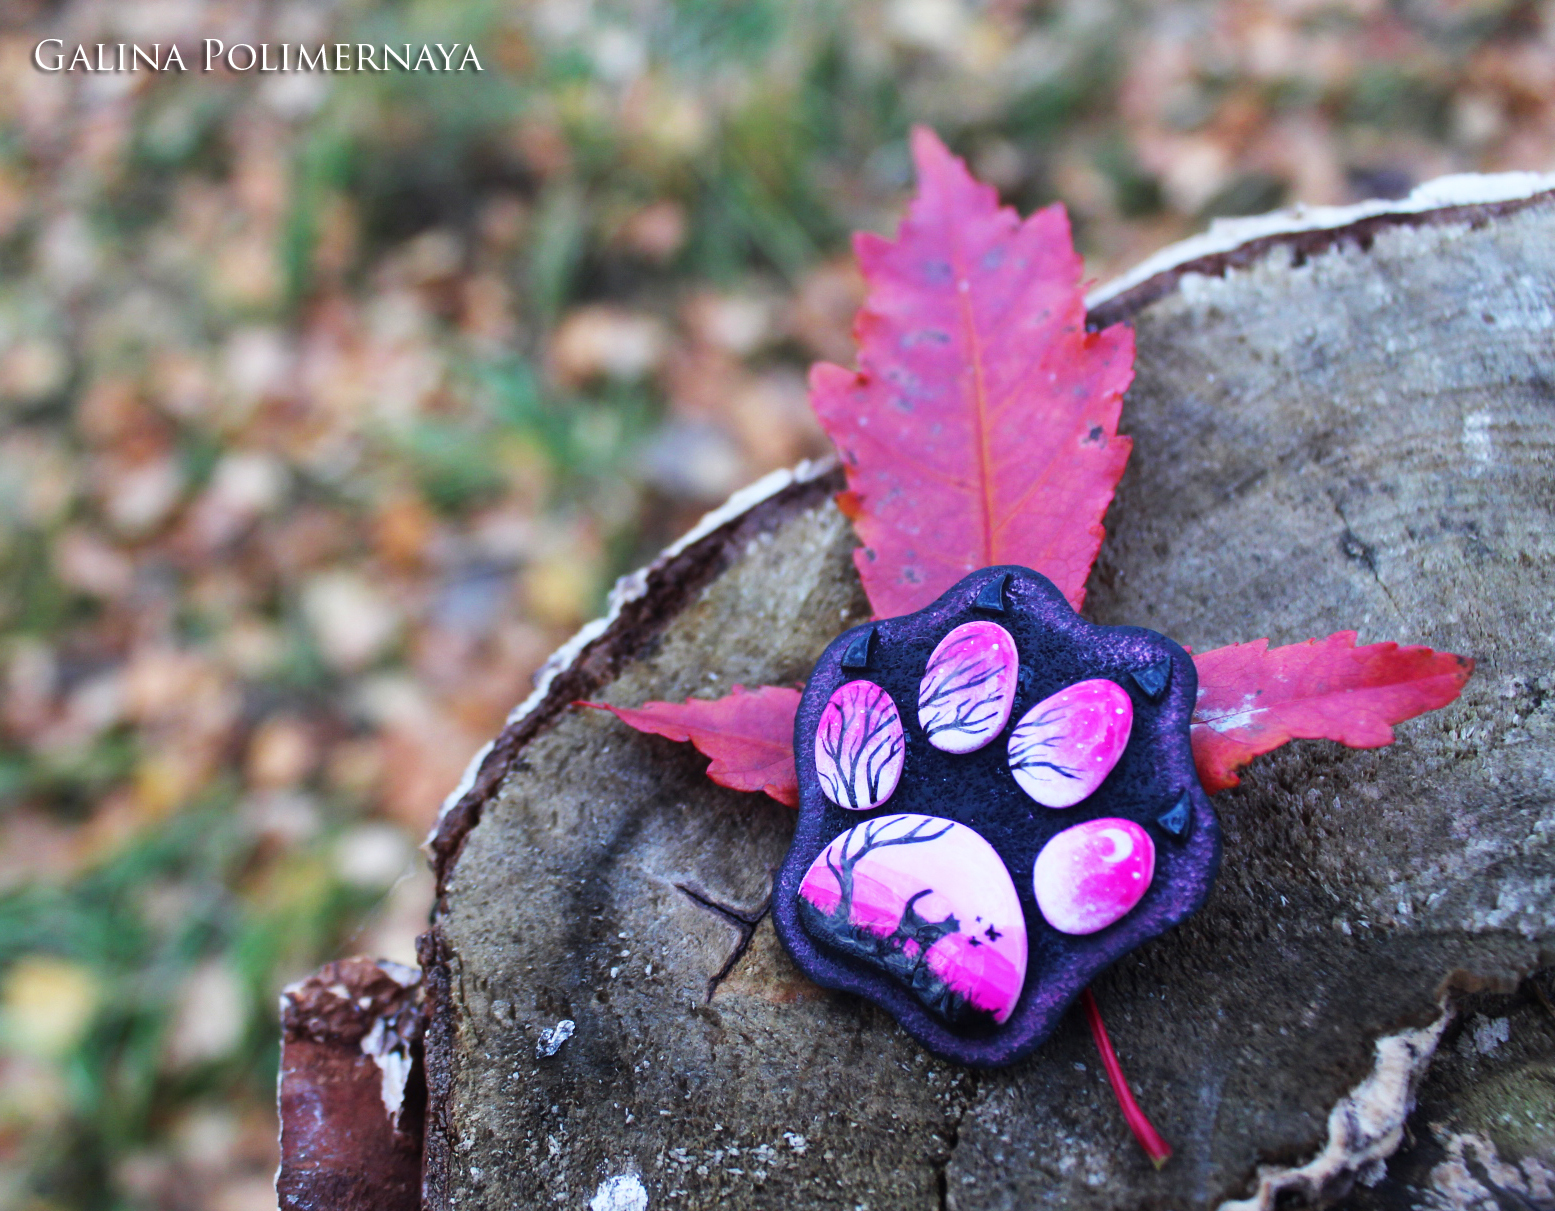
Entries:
{"x":997,"y":800}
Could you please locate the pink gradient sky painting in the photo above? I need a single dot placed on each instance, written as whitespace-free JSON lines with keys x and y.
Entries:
{"x":986,"y":961}
{"x":967,"y":691}
{"x":859,"y":746}
{"x":1064,"y":747}
{"x":1093,"y":874}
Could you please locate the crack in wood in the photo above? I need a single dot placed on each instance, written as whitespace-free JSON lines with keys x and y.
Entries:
{"x":745,"y":923}
{"x":1362,"y":552}
{"x":941,"y":1167}
{"x":1543,"y":997}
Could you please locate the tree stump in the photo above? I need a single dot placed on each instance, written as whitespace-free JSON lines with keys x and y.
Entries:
{"x":1345,"y":426}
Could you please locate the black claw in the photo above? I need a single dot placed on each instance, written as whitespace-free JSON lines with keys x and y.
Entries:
{"x":1153,"y":678}
{"x":1176,"y":820}
{"x":856,"y":658}
{"x":991,"y":596}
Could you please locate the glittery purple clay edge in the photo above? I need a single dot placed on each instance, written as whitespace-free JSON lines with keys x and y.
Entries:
{"x":1151,"y":784}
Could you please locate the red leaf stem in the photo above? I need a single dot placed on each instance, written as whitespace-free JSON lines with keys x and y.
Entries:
{"x":1156,"y":1148}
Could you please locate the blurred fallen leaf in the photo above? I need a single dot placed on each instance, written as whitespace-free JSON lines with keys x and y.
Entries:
{"x":542,"y":142}
{"x":166,"y":780}
{"x":606,"y":342}
{"x":47,"y":1004}
{"x":402,"y":530}
{"x":165,"y":683}
{"x":90,"y":709}
{"x":486,"y":311}
{"x":392,"y":931}
{"x":737,"y":324}
{"x":210,"y":1014}
{"x":931,"y":25}
{"x":693,"y":460}
{"x":432,"y":257}
{"x":244,"y":486}
{"x":180,"y":382}
{"x":772,"y":417}
{"x":421,"y":767}
{"x":281,"y":753}
{"x":668,"y":124}
{"x":308,"y":538}
{"x":34,"y":849}
{"x":353,"y":621}
{"x":70,"y":254}
{"x":423,"y":747}
{"x":33,"y":1094}
{"x":505,"y":533}
{"x":257,"y":362}
{"x":283,"y":818}
{"x":89,"y":565}
{"x":31,"y":677}
{"x":559,"y":589}
{"x":1192,"y":170}
{"x":250,"y":1193}
{"x":504,"y":222}
{"x":38,"y":481}
{"x":138,"y":497}
{"x":354,"y":767}
{"x":32,"y":370}
{"x":657,"y":231}
{"x":820,"y":315}
{"x":204,"y":1138}
{"x":251,"y":647}
{"x":245,"y":272}
{"x":372,"y":856}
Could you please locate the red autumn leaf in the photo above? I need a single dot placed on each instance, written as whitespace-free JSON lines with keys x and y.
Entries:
{"x":981,"y":425}
{"x":1252,"y":699}
{"x":749,"y":735}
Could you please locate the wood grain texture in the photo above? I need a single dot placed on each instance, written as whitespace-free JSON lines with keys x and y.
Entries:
{"x":1356,"y":436}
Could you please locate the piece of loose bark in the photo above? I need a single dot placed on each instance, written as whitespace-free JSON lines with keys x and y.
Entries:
{"x":353,"y":1095}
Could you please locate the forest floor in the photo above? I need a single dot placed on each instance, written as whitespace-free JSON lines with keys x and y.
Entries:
{"x":331,"y":403}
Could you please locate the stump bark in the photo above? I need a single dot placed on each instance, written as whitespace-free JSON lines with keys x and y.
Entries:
{"x":1333,"y":428}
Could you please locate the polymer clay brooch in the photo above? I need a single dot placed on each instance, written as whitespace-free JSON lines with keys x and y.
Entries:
{"x":997,"y":799}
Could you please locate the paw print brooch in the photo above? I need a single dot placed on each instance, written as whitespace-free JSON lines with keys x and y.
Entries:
{"x":997,"y":800}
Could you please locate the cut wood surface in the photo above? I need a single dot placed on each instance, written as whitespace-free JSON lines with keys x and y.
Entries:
{"x":1348,"y":429}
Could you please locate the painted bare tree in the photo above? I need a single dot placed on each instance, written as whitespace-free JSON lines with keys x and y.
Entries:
{"x":968,"y":688}
{"x":859,"y":746}
{"x":903,"y":951}
{"x":1067,"y":744}
{"x":876,"y":834}
{"x":1042,"y":742}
